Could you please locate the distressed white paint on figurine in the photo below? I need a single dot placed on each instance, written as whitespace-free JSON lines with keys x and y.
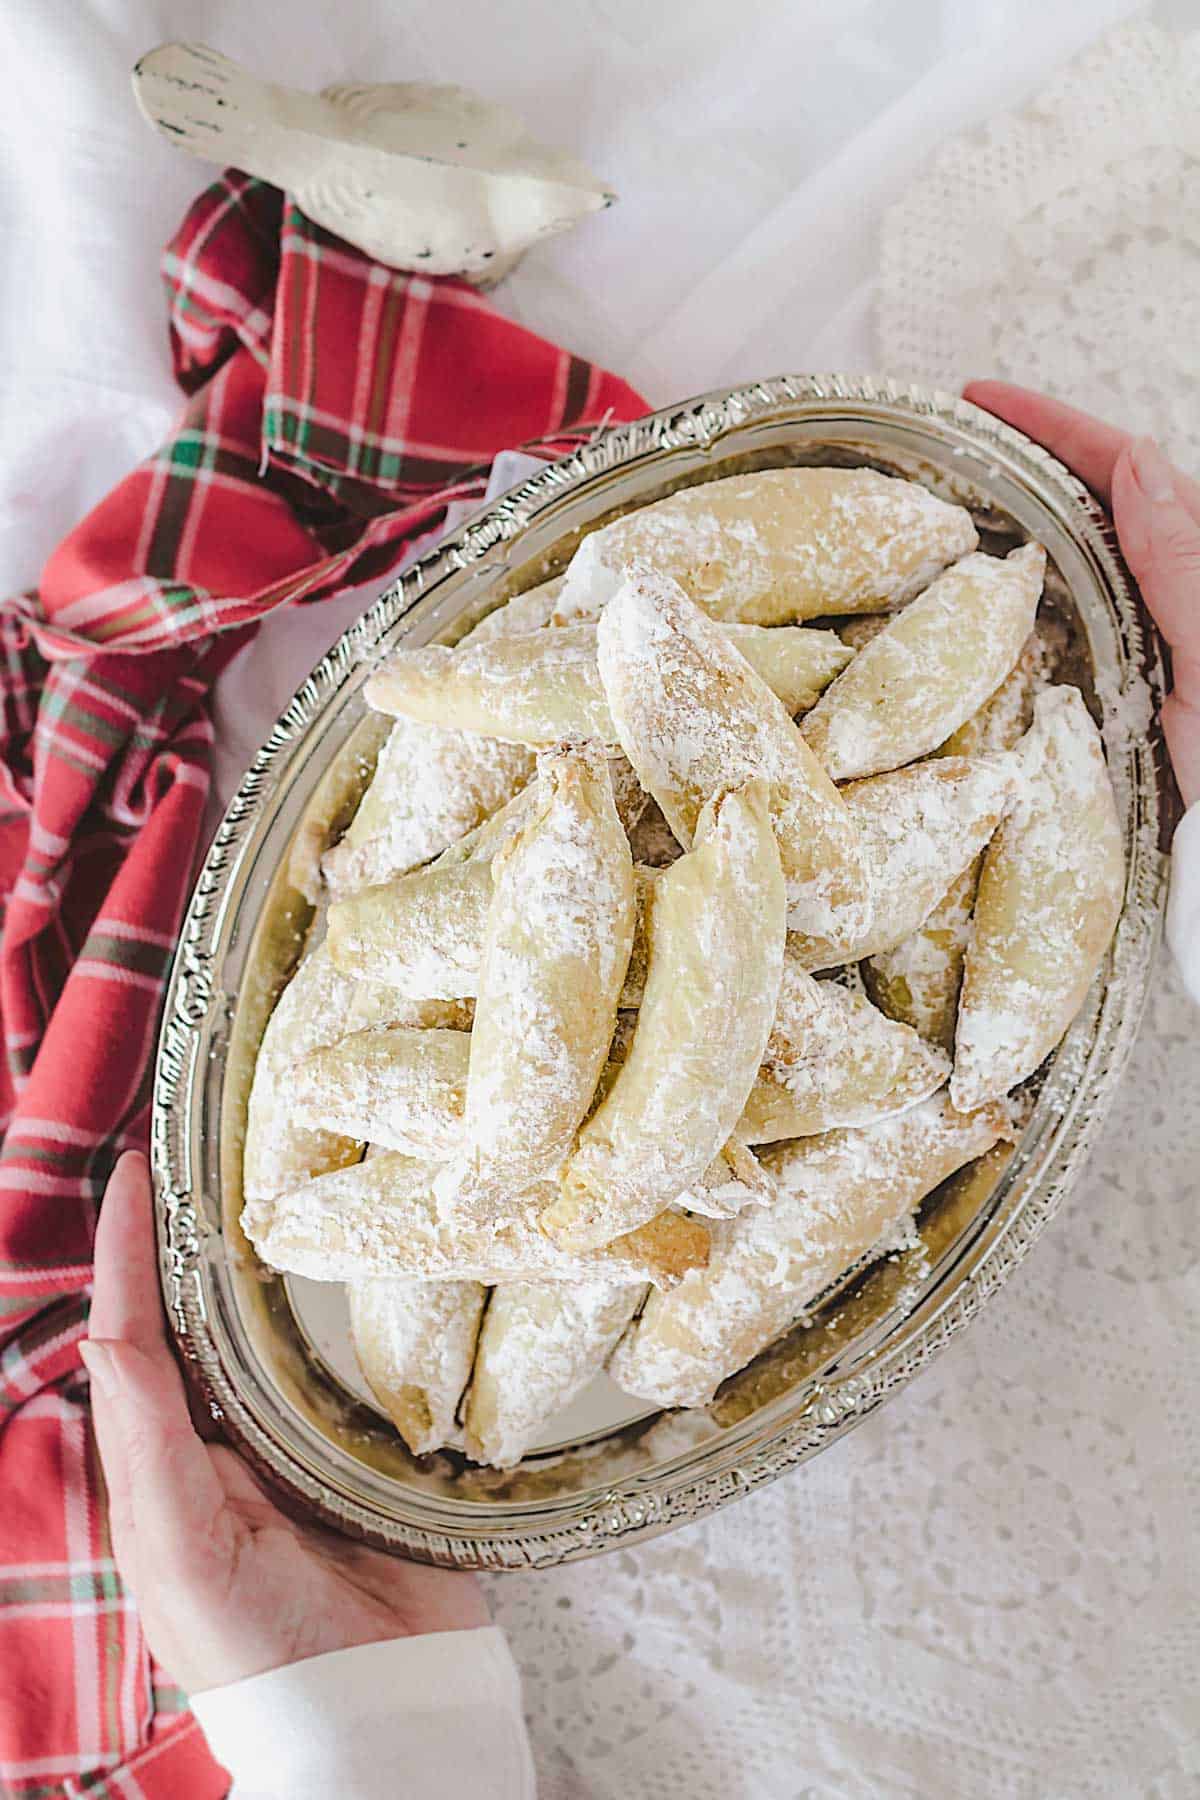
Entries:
{"x":433,"y":179}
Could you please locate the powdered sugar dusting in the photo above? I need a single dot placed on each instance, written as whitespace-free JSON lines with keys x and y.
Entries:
{"x":931,"y":668}
{"x":1128,"y":711}
{"x":557,"y":945}
{"x":694,"y":721}
{"x":734,"y":1179}
{"x":779,"y":545}
{"x":716,"y":934}
{"x":838,"y":1195}
{"x":918,"y":980}
{"x":533,"y":689}
{"x":539,"y":1346}
{"x":919,"y":827}
{"x":314,"y":1009}
{"x":415,"y":1342}
{"x":403,"y":1089}
{"x":431,"y":785}
{"x":420,"y":935}
{"x":1003,"y":719}
{"x":381,"y":1217}
{"x":523,"y":612}
{"x":833,"y":1060}
{"x":1049,"y":898}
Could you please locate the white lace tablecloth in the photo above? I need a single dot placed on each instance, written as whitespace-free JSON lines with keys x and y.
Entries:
{"x":993,"y":1587}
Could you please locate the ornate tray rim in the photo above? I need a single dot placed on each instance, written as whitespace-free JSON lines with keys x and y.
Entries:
{"x":644,"y":1505}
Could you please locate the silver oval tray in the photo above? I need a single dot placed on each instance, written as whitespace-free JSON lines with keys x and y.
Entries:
{"x":254,"y":1344}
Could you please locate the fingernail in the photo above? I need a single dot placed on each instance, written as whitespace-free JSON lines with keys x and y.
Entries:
{"x":99,"y":1363}
{"x":1151,"y":470}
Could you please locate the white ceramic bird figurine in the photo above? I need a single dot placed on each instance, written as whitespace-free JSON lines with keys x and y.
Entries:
{"x":433,"y":179}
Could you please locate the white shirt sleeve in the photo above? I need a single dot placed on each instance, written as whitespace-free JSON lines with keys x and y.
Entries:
{"x":432,"y":1715}
{"x":1183,"y":905}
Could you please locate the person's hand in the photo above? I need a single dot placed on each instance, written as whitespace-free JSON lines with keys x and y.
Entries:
{"x":1156,"y":510}
{"x":226,"y":1585}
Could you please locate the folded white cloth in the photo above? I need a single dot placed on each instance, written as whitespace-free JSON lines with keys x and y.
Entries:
{"x":438,"y":1715}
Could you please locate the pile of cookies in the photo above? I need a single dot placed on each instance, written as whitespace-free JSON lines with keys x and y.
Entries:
{"x":566,"y":1078}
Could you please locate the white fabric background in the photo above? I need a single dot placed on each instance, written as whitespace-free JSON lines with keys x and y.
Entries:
{"x":992,"y":1588}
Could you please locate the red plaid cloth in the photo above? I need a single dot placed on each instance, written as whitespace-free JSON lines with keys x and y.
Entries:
{"x":335,"y":409}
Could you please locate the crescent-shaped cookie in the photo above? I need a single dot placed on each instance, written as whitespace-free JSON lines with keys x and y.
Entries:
{"x":1049,"y":899}
{"x":556,"y":948}
{"x":403,"y":1089}
{"x":415,"y":1343}
{"x":382,"y":1217}
{"x":930,"y":668}
{"x":778,"y":545}
{"x":429,"y":787}
{"x":279,"y":1151}
{"x":432,"y":784}
{"x":540,"y":1344}
{"x":839,"y":1196}
{"x":919,"y":828}
{"x":318,"y":1006}
{"x":716,"y":936}
{"x":543,"y":688}
{"x":918,"y":980}
{"x":832,"y":1060}
{"x":422,"y":933}
{"x":695,"y":720}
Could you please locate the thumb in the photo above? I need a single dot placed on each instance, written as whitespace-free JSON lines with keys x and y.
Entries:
{"x":166,"y":1500}
{"x":1160,"y":540}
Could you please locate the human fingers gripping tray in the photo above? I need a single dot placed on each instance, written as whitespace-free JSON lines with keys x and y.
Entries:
{"x":273,"y":1348}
